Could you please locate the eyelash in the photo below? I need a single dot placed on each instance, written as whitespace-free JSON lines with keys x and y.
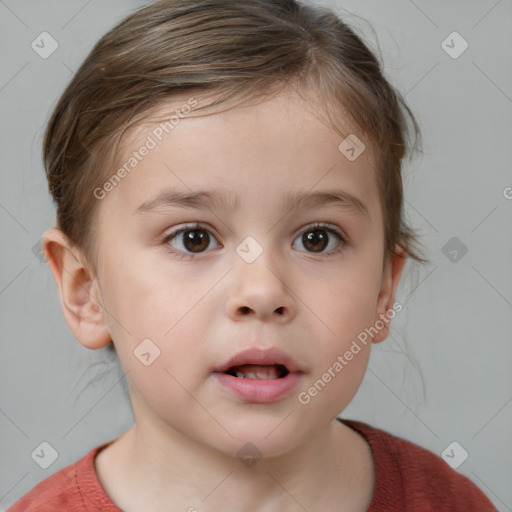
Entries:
{"x":312,"y":227}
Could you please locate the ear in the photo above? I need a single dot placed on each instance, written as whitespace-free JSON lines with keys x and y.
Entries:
{"x":391,"y":274}
{"x":79,"y":292}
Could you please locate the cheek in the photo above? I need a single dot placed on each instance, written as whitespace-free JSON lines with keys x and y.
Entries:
{"x":149,"y":313}
{"x":342,"y":355}
{"x":146,"y":299}
{"x":341,"y":348}
{"x":344,"y":306}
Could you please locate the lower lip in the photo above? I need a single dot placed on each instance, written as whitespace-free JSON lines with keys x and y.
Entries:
{"x":259,"y":391}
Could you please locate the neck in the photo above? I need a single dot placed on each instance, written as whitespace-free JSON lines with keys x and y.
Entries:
{"x":157,"y":468}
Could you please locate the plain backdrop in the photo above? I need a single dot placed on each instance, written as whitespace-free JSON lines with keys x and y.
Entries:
{"x":444,"y":373}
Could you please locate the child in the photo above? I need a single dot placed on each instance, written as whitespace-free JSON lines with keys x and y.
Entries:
{"x":228,"y":184}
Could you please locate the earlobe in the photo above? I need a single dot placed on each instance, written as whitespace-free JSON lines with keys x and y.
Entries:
{"x":390,"y":279}
{"x":78,"y":290}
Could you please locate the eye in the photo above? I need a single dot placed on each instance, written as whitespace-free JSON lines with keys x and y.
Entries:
{"x":189,"y":239}
{"x":195,"y":239}
{"x":318,"y":236}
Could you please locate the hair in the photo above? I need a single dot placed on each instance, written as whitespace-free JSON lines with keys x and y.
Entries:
{"x":224,"y":53}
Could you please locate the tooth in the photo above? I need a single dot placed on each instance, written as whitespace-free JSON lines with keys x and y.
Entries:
{"x":259,"y":373}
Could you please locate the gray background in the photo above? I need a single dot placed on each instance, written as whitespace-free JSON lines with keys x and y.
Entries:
{"x":457,"y":318}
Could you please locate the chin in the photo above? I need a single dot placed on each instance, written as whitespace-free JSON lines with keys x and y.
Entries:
{"x":262,"y":437}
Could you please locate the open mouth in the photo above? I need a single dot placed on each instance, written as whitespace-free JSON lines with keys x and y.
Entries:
{"x":256,"y":371}
{"x":260,"y":376}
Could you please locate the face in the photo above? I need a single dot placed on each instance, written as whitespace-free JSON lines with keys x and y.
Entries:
{"x":188,"y":285}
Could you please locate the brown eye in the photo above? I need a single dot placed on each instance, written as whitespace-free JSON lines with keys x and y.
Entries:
{"x":317,"y":238}
{"x":196,"y":240}
{"x":189,"y":240}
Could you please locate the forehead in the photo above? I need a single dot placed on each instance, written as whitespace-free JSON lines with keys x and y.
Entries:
{"x":284,"y":144}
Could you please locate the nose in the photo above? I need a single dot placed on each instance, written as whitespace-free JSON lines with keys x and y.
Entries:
{"x":259,"y":291}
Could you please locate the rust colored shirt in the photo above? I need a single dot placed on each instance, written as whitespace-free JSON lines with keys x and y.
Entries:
{"x":408,"y":478}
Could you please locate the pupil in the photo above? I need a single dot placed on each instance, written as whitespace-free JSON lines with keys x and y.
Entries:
{"x":313,"y":238}
{"x":193,"y":242}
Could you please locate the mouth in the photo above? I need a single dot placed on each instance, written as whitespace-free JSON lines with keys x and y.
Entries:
{"x":258,"y":363}
{"x":258,"y":371}
{"x":259,"y":375}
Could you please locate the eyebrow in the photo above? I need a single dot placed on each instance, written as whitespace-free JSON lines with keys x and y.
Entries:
{"x":214,"y":199}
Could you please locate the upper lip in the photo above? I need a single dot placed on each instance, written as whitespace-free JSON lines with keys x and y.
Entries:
{"x":260,"y":356}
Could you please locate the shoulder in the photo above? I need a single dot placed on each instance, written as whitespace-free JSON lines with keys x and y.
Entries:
{"x":75,"y":487}
{"x":58,"y":490}
{"x":409,"y":477}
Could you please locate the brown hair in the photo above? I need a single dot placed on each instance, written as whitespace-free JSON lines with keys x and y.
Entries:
{"x":230,"y":51}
